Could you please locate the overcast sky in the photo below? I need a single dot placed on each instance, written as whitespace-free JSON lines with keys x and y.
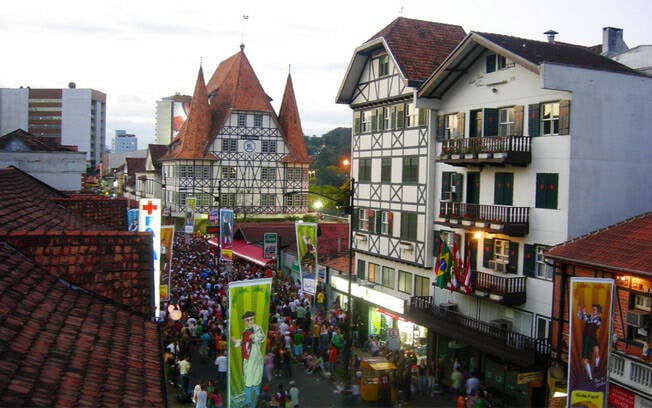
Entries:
{"x":139,"y":51}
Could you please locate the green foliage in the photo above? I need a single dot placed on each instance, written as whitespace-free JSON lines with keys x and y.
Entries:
{"x":327,"y":153}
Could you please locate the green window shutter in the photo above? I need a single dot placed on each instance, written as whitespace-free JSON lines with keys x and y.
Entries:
{"x":423,"y":116}
{"x":529,"y":259}
{"x":356,"y":122}
{"x":534,"y":119}
{"x":503,"y":188}
{"x":540,"y":197}
{"x":379,"y":222}
{"x":435,"y":249}
{"x":460,"y":124}
{"x":547,"y":187}
{"x":355,"y":217}
{"x":490,"y":63}
{"x":518,"y":120}
{"x":374,"y":120}
{"x":487,"y":251}
{"x":458,"y":179}
{"x":490,"y":122}
{"x":553,"y":187}
{"x":445,"y":183}
{"x":400,"y":116}
{"x":440,"y":127}
{"x":564,"y":117}
{"x":390,"y":223}
{"x":512,"y":267}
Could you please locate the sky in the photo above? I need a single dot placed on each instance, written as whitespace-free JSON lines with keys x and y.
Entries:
{"x":140,"y":51}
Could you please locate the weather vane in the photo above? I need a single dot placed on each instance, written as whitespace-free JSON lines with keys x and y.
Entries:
{"x":245,"y":17}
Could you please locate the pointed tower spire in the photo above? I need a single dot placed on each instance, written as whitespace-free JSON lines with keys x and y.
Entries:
{"x":290,"y":122}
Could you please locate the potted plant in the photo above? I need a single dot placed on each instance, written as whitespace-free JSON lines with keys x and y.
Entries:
{"x":482,"y":292}
{"x":496,"y":224}
{"x":467,"y":219}
{"x":452,"y":218}
{"x":497,"y":295}
{"x":443,"y":217}
{"x":481,"y":222}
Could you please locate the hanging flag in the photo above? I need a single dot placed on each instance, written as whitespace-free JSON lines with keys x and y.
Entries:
{"x":466,"y":282}
{"x":456,"y":268}
{"x":444,"y":264}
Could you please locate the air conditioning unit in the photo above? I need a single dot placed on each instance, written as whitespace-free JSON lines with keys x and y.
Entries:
{"x":638,"y":318}
{"x":450,"y":307}
{"x":502,"y":324}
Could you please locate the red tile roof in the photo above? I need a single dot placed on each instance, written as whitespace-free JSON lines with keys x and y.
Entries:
{"x":290,"y":122}
{"x":62,"y":346}
{"x":420,"y":46}
{"x":626,"y":246}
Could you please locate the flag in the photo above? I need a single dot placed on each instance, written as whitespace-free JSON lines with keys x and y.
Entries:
{"x":466,"y":282}
{"x":444,"y":263}
{"x":456,"y":268}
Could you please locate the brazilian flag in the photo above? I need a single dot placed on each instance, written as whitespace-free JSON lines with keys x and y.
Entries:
{"x":444,"y":265}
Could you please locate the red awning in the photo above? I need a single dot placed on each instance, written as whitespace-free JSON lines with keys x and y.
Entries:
{"x":250,"y":252}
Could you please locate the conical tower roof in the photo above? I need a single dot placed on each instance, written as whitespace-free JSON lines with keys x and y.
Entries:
{"x":290,"y":122}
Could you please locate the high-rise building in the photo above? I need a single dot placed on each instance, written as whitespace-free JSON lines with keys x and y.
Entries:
{"x":171,"y":112}
{"x":69,"y":116}
{"x":124,"y":142}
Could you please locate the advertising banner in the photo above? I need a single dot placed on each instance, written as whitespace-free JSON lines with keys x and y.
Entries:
{"x":590,"y":316}
{"x":249,"y":303}
{"x":306,"y":233}
{"x":167,"y":238}
{"x":226,"y":234}
{"x":149,"y":220}
{"x":270,"y":245}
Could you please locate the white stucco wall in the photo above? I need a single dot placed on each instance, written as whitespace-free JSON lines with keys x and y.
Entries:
{"x":76,"y":119}
{"x":61,"y":170}
{"x":13,"y":110}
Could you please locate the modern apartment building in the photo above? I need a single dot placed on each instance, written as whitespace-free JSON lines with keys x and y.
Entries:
{"x":171,"y":113}
{"x":69,"y":116}
{"x":124,"y":142}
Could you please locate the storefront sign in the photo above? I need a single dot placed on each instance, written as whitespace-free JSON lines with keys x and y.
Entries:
{"x":370,"y":295}
{"x":534,"y":376}
{"x":620,"y":397}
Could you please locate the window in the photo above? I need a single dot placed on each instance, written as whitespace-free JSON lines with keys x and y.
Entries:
{"x":410,"y":169}
{"x":386,"y":170}
{"x":643,"y":302}
{"x":383,"y":66}
{"x":501,"y":251}
{"x":542,"y":269}
{"x":405,"y":282}
{"x":451,"y":186}
{"x":388,"y":277}
{"x":229,"y":172}
{"x":268,"y":146}
{"x":421,"y":286}
{"x":366,"y":121}
{"x":550,"y":119}
{"x":268,"y":174}
{"x":506,"y":122}
{"x":543,"y":328}
{"x":229,"y":145}
{"x":386,"y":222}
{"x":409,"y":226}
{"x":227,"y":200}
{"x":296,"y":174}
{"x":450,"y":126}
{"x":296,"y":200}
{"x":495,"y":63}
{"x":364,"y":171}
{"x":258,"y":120}
{"x":242,"y":120}
{"x":411,"y":115}
{"x":503,"y":188}
{"x":361,"y":269}
{"x":363,"y":216}
{"x":267,"y":200}
{"x":546,"y":194}
{"x":388,"y":112}
{"x":373,"y":275}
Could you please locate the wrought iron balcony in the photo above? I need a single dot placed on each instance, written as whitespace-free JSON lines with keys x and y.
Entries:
{"x":506,"y":289}
{"x":501,"y":219}
{"x":492,"y":150}
{"x":511,"y":346}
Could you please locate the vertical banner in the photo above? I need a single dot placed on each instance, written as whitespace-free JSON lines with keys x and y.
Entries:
{"x":249,"y":303}
{"x":270,"y":245}
{"x":226,"y":234}
{"x":306,"y":233}
{"x":167,"y":237}
{"x":590,"y":315}
{"x":149,"y":220}
{"x":191,"y":205}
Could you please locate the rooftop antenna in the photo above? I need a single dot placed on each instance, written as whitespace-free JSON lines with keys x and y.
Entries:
{"x":401,"y":11}
{"x":245,"y":17}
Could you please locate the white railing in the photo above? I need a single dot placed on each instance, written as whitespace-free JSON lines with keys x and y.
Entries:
{"x":631,"y":372}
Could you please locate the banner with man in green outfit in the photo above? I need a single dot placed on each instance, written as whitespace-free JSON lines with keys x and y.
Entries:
{"x":249,"y":302}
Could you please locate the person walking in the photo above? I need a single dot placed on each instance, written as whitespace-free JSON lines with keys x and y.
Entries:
{"x":221,"y":362}
{"x":294,"y":394}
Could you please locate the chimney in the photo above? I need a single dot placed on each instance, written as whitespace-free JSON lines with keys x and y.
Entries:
{"x":551,"y":35}
{"x":612,"y":41}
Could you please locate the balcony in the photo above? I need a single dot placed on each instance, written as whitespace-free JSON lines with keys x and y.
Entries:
{"x":506,"y":289}
{"x":632,"y":372}
{"x":516,"y":348}
{"x":499,"y":219}
{"x":480,"y":151}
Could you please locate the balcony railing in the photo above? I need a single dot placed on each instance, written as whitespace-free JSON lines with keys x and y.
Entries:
{"x":508,"y":220}
{"x":632,"y":372}
{"x":499,"y":150}
{"x":502,"y":288}
{"x":517,"y":348}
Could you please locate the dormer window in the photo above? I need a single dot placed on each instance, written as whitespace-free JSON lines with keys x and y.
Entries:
{"x":495,"y":63}
{"x":383,"y":66}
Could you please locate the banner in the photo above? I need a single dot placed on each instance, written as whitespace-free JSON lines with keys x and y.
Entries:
{"x":270,"y":245}
{"x":167,"y":240}
{"x":306,"y":233}
{"x":249,"y":303}
{"x":226,"y":234}
{"x":149,"y":220}
{"x":590,"y":315}
{"x":443,"y":265}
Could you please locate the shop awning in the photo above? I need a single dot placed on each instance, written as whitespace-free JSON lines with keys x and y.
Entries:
{"x":250,"y":252}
